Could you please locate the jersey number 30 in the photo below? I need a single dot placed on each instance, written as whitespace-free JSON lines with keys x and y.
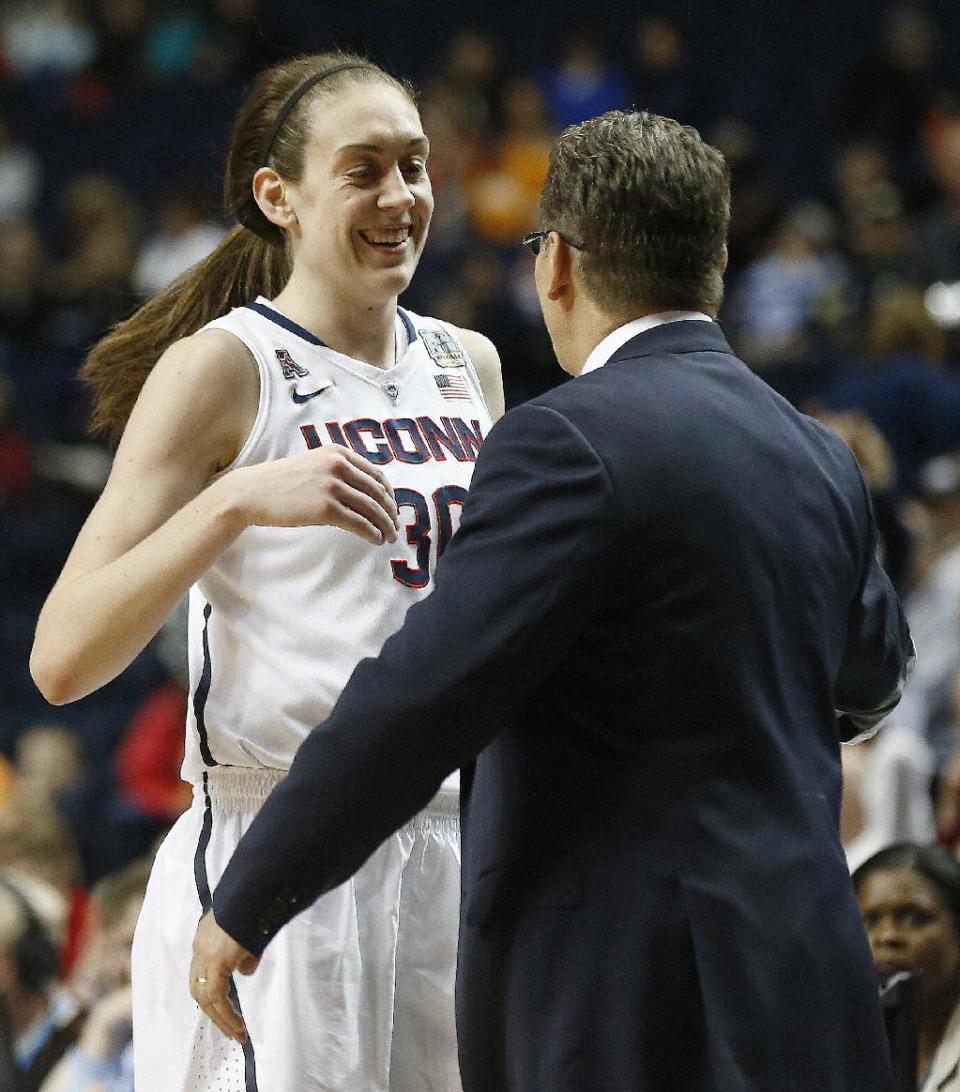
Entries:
{"x":420,"y":530}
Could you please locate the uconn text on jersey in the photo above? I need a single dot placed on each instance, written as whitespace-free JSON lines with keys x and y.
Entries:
{"x":402,"y":439}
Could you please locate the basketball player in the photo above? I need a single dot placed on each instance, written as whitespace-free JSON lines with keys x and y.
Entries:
{"x":295,"y":421}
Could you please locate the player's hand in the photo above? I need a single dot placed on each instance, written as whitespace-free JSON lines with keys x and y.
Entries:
{"x":216,"y":955}
{"x":332,"y":486}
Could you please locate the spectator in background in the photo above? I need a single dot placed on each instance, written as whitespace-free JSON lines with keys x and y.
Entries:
{"x":862,"y":178}
{"x":182,"y":237}
{"x":909,"y":897}
{"x":663,"y":79}
{"x":887,"y":98}
{"x":788,"y":300}
{"x":92,"y":284}
{"x":918,"y":743}
{"x":150,"y":754}
{"x":47,"y":38}
{"x":756,"y":207}
{"x":49,"y":763}
{"x":102,"y":1057}
{"x":24,"y":302}
{"x":584,"y":82}
{"x":472,"y":72}
{"x":174,"y":40}
{"x":502,"y":195}
{"x":44,"y":1017}
{"x":15,"y":453}
{"x":235,"y":48}
{"x":121,"y":31}
{"x":878,"y":466}
{"x":878,"y":234}
{"x":948,"y":789}
{"x":900,"y":383}
{"x":38,"y":847}
{"x":940,"y":225}
{"x":20,"y":176}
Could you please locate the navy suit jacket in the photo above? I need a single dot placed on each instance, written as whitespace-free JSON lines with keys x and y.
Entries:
{"x":663,"y":588}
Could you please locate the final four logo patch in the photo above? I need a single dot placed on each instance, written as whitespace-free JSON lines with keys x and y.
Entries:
{"x":290,"y":368}
{"x":443,"y":349}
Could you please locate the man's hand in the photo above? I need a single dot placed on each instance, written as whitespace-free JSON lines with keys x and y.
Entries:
{"x":216,"y":955}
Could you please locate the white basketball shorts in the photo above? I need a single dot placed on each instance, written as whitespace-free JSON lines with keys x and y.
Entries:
{"x":355,"y":994}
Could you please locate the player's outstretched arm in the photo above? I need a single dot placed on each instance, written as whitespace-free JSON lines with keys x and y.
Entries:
{"x":165,"y":516}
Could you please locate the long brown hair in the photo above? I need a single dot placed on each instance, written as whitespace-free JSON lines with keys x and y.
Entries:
{"x":252,"y":259}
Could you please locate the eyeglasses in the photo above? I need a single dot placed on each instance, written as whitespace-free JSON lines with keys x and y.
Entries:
{"x":535,"y":238}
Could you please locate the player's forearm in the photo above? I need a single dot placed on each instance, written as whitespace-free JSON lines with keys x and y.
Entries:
{"x":94,"y":623}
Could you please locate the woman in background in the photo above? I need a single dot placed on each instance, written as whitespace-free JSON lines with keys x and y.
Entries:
{"x":909,"y":897}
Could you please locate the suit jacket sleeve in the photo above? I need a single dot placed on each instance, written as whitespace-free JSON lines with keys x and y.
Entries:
{"x":521,"y":571}
{"x":879,"y":653}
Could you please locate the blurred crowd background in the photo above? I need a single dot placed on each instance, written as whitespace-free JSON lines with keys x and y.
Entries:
{"x":841,"y":123}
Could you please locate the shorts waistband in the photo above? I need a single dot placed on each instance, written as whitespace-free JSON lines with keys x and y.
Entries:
{"x":238,"y":788}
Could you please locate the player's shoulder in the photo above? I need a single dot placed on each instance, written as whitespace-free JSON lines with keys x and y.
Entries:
{"x":481,"y":349}
{"x":204,"y":389}
{"x":478,"y":347}
{"x":483,"y":353}
{"x":209,"y":354}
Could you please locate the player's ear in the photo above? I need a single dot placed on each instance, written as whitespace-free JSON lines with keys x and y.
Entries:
{"x":272,"y":195}
{"x":558,"y":256}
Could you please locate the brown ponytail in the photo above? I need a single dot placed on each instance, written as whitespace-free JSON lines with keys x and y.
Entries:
{"x":252,"y":259}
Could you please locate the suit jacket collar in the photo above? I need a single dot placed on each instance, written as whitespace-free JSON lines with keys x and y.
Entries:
{"x":686,"y":336}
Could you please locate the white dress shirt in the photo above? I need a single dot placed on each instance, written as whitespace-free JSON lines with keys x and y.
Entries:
{"x":609,"y":345}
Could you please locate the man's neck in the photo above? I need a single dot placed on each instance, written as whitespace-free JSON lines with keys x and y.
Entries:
{"x":590,"y":328}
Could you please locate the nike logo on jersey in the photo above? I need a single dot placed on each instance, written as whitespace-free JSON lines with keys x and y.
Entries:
{"x":301,"y":398}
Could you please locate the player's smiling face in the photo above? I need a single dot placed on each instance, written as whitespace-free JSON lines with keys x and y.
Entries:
{"x":364,"y":202}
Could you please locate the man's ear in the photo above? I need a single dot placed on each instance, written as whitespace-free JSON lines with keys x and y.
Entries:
{"x":559,"y":259}
{"x":726,"y":258}
{"x":270,"y":193}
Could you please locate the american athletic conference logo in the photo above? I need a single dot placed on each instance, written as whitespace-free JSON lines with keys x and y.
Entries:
{"x":290,"y":368}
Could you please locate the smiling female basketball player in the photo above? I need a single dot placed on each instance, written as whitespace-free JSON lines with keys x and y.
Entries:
{"x":282,"y":420}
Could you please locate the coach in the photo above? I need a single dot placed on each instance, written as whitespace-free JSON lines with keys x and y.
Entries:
{"x":660,"y":616}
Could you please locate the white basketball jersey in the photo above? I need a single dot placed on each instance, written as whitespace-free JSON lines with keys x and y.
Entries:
{"x":279,"y":622}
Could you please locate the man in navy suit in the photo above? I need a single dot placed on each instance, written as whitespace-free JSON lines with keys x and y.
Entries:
{"x":660,"y":616}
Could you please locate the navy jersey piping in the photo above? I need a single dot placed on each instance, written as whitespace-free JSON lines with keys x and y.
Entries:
{"x":287,"y":323}
{"x":202,"y":692}
{"x":408,"y":323}
{"x":202,"y":881}
{"x":295,"y":328}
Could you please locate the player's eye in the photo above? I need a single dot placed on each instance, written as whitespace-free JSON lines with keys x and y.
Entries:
{"x":365,"y":173}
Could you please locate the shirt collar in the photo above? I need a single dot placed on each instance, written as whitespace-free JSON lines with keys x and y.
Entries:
{"x":609,"y":345}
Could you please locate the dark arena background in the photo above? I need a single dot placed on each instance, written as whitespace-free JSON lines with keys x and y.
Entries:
{"x":840,"y":120}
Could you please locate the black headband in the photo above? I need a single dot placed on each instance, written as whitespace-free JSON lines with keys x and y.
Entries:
{"x":295,"y":96}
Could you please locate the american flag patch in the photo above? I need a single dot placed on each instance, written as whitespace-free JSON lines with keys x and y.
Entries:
{"x":453,"y":387}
